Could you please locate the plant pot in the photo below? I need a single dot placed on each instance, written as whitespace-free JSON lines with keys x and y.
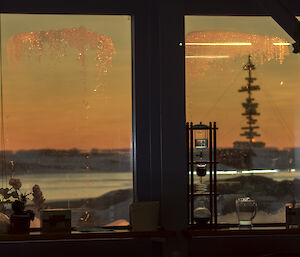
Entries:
{"x":19,"y":224}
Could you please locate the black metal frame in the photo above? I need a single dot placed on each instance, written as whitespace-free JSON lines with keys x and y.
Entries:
{"x":158,"y":86}
{"x":212,"y":162}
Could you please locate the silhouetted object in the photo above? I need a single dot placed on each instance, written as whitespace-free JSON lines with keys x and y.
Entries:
{"x":38,"y":197}
{"x":202,"y":154}
{"x":15,"y":183}
{"x":56,"y":220}
{"x":292,"y":215}
{"x":20,"y":219}
{"x":201,"y":215}
{"x":12,"y":192}
{"x":201,"y":170}
{"x":250,"y":111}
{"x":4,"y":224}
{"x":246,"y":209}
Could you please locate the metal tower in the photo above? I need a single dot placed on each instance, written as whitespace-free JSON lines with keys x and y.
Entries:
{"x":249,"y":105}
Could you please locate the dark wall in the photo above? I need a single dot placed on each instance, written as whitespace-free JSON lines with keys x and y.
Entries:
{"x":76,"y":7}
{"x":216,"y":7}
{"x":81,"y":248}
{"x":244,"y":246}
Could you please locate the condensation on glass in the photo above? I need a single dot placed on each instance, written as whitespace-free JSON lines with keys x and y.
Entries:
{"x":66,"y":115}
{"x":242,"y":74}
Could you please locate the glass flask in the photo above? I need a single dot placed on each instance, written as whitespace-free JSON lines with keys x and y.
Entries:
{"x":246,"y":210}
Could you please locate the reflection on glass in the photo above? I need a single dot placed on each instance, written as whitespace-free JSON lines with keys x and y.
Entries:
{"x":259,"y":131}
{"x":66,"y":82}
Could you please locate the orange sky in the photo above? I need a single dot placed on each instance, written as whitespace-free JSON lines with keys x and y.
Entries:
{"x":60,"y":103}
{"x":212,"y":88}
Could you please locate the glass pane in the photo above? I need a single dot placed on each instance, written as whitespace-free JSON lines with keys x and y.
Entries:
{"x":66,"y":82}
{"x":242,"y":74}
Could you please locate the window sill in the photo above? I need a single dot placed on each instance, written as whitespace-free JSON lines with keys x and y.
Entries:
{"x":109,"y":234}
{"x":258,"y":230}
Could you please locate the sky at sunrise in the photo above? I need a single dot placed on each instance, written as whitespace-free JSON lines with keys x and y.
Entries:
{"x":212,"y":84}
{"x":55,"y":95}
{"x":55,"y":98}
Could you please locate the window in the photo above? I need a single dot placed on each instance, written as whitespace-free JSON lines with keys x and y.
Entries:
{"x":263,"y":162}
{"x":66,"y":83}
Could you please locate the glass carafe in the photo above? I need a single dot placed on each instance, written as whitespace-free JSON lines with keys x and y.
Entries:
{"x":246,"y":211}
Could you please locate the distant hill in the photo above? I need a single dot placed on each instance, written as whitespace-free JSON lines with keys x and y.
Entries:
{"x":73,"y":160}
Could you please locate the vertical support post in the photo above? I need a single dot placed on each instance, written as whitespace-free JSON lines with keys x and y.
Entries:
{"x":159,"y":114}
{"x":192,"y":173}
{"x":141,"y":79}
{"x":215,"y":173}
{"x":174,"y":179}
{"x":172,"y":116}
{"x":210,"y":175}
{"x":188,"y":168}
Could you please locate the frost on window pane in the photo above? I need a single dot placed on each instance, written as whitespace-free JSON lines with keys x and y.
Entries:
{"x":66,"y":116}
{"x":242,"y":74}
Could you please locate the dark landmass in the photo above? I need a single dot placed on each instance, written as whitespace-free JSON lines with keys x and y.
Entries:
{"x":73,"y":160}
{"x":262,"y":158}
{"x":269,"y":194}
{"x":120,"y":160}
{"x":99,"y":203}
{"x":98,"y":211}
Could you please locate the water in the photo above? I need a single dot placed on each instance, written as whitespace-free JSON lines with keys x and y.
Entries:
{"x":70,"y":186}
{"x":277,"y":175}
{"x":56,"y":186}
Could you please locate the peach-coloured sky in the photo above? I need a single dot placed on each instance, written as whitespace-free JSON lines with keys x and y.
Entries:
{"x":212,"y":87}
{"x":60,"y":103}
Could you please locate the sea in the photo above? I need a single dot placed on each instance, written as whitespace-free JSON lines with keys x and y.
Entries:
{"x":83,"y":185}
{"x":69,"y":186}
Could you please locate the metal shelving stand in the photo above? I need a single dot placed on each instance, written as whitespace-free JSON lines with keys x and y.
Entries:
{"x":206,"y":143}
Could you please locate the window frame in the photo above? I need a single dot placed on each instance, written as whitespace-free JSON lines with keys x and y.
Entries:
{"x":238,"y":8}
{"x":156,"y":32}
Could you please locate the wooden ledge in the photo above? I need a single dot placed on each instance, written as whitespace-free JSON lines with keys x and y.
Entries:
{"x":261,"y":231}
{"x":87,"y":235}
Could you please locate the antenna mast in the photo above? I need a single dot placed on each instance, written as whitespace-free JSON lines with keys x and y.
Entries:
{"x":250,"y":107}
